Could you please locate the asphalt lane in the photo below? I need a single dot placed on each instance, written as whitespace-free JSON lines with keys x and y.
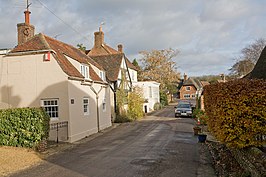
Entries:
{"x":159,"y":145}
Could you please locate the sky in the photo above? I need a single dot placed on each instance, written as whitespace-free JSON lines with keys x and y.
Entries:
{"x":209,"y":34}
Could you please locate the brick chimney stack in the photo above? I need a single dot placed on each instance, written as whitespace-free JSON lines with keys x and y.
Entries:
{"x":25,"y":30}
{"x":98,"y":38}
{"x":120,"y":48}
{"x":185,"y":77}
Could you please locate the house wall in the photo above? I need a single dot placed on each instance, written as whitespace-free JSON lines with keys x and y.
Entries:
{"x":133,"y":75}
{"x":124,"y":66}
{"x":83,"y":125}
{"x":150,"y":94}
{"x":184,"y":91}
{"x":26,"y":80}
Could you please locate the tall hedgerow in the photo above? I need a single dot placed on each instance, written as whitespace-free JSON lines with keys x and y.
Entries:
{"x":236,"y":112}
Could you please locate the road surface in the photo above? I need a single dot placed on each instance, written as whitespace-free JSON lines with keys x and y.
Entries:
{"x":160,"y":145}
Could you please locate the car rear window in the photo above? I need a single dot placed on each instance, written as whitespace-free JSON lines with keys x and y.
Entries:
{"x":183,"y":106}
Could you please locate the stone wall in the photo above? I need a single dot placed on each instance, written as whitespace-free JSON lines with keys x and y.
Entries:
{"x":253,"y":160}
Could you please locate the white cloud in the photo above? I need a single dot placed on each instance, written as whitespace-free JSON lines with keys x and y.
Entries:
{"x":209,"y":33}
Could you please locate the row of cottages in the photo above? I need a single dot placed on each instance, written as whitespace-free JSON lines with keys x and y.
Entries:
{"x":77,"y":89}
{"x":42,"y":71}
{"x":116,"y":64}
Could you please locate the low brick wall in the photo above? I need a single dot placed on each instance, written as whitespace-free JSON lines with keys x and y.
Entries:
{"x":252,"y":160}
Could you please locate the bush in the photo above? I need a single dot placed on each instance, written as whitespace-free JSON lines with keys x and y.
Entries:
{"x":157,"y":106}
{"x":122,"y":118}
{"x":23,"y":127}
{"x":163,"y":98}
{"x":236,"y":112}
{"x":135,"y":104}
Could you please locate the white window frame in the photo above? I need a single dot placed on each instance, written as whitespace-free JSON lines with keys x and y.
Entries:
{"x":84,"y":70}
{"x":104,"y":104}
{"x":53,"y":104}
{"x":187,"y":88}
{"x":102,"y":75}
{"x":150,"y":92}
{"x":133,"y":75}
{"x":186,"y":95}
{"x":86,"y":105}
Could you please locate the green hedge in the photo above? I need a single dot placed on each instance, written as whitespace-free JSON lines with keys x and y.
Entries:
{"x":236,"y":111}
{"x":23,"y":127}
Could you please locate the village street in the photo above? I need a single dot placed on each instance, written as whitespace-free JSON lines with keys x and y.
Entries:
{"x":159,"y":145}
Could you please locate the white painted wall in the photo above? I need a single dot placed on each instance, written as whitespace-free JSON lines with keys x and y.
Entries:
{"x":85,"y":125}
{"x":150,"y":93}
{"x":134,"y":75}
{"x":26,"y":80}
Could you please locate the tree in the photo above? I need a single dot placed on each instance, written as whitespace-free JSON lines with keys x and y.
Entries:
{"x":81,"y":47}
{"x":159,"y":66}
{"x":242,"y":67}
{"x":135,"y":63}
{"x":248,"y":58}
{"x":139,"y":70}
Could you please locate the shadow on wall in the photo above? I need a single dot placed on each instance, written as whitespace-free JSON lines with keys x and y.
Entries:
{"x":70,"y":108}
{"x":7,"y":99}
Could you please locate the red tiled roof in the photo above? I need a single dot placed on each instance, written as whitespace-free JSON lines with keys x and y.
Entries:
{"x":107,"y":50}
{"x":42,"y":42}
{"x":130,"y":65}
{"x":103,"y":50}
{"x":111,"y":63}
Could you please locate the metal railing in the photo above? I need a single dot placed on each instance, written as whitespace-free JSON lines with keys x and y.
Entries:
{"x":59,"y":130}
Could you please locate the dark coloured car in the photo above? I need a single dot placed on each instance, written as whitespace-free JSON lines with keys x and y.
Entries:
{"x":183,"y":109}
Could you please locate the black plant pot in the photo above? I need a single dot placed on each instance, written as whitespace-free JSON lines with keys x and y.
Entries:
{"x":202,"y":138}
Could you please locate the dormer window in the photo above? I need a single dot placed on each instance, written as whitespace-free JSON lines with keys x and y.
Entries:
{"x":84,"y":70}
{"x":102,"y":75}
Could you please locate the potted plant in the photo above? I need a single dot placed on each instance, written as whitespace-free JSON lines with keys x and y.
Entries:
{"x":202,"y":137}
{"x":196,"y":129}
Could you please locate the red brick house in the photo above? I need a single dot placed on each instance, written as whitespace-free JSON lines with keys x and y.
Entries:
{"x":190,"y":89}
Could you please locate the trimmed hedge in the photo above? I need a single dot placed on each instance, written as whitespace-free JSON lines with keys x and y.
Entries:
{"x":23,"y":127}
{"x":236,"y":112}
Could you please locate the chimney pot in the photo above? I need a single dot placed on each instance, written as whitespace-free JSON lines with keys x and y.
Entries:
{"x":185,"y":77}
{"x":27,"y":17}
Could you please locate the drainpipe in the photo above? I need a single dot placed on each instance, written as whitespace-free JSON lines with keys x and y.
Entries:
{"x":98,"y":117}
{"x":97,"y":104}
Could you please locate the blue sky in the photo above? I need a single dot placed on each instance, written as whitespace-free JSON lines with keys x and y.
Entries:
{"x":208,"y":33}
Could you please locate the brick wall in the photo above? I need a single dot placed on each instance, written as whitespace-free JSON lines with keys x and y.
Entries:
{"x":188,"y":90}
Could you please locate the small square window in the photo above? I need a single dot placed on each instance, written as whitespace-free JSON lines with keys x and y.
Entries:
{"x":51,"y":107}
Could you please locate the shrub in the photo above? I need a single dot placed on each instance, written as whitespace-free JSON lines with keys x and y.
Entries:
{"x":23,"y":127}
{"x":122,"y":118}
{"x":236,"y":111}
{"x":163,"y":98}
{"x":135,"y":104}
{"x":157,"y":106}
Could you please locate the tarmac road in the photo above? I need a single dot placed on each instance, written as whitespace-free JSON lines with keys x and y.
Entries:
{"x":160,"y":145}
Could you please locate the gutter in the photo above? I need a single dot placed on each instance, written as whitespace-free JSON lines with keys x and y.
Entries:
{"x":30,"y":52}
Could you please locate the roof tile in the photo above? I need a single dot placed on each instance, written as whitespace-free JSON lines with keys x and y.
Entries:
{"x":42,"y":42}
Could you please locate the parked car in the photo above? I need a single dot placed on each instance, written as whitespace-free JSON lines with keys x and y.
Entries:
{"x":183,"y":109}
